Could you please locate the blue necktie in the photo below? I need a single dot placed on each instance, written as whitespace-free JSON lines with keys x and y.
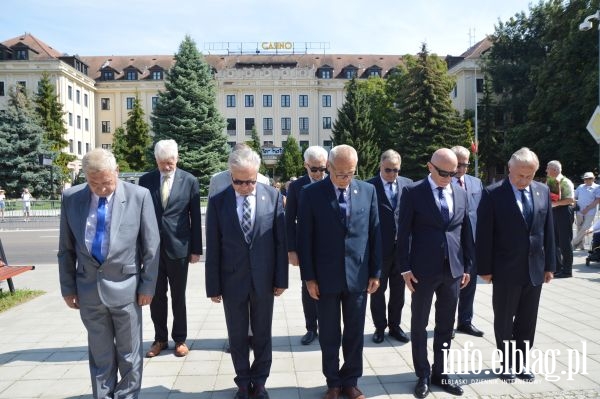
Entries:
{"x":247,"y":220}
{"x":393,"y":198}
{"x":100,"y":226}
{"x":343,"y":205}
{"x":443,"y":206}
{"x":527,"y":208}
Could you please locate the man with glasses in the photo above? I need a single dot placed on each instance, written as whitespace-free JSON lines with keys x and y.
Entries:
{"x":473,"y":187}
{"x":315,"y":162}
{"x":339,"y":249}
{"x":247,"y":266}
{"x":388,"y":185}
{"x":435,"y":252}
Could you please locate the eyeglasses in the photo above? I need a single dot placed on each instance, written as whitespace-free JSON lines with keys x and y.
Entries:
{"x":463,"y":165}
{"x":315,"y":169}
{"x":390,"y":170}
{"x":345,"y":175}
{"x":443,"y":173}
{"x":243,"y":182}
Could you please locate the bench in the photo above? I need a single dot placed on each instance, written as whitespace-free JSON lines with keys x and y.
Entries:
{"x":8,"y":272}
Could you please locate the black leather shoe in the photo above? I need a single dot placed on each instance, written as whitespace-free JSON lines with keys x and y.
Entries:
{"x":469,"y":329}
{"x":526,"y":376}
{"x":563,"y":275}
{"x":399,"y":334}
{"x":446,"y":384}
{"x":378,"y":336}
{"x":507,"y":376}
{"x":422,"y":387}
{"x":308,"y":338}
{"x":242,"y":393}
{"x":259,"y":392}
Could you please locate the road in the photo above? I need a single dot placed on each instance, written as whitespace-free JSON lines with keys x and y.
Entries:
{"x":33,"y":247}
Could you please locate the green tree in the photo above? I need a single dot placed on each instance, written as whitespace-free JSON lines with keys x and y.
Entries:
{"x":491,"y":151}
{"x":354,"y":127}
{"x":20,"y":147}
{"x":137,"y":139}
{"x":254,"y":143}
{"x":187,"y":113}
{"x":376,"y":91}
{"x":290,"y":163}
{"x":119,"y":149}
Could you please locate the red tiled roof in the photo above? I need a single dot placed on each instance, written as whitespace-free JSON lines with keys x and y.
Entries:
{"x":42,"y":51}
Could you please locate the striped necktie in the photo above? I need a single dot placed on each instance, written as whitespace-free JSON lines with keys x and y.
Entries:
{"x":246,"y":220}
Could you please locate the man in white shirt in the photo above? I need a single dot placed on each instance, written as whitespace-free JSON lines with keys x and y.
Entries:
{"x":585,"y":195}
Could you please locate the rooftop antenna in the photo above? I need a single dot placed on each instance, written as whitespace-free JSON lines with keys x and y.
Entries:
{"x":471,"y":37}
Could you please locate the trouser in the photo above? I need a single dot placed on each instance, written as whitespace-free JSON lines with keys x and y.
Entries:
{"x":563,"y":232}
{"x":583,"y":222}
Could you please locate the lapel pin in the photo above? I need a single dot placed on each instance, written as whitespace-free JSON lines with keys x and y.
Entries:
{"x":355,"y":191}
{"x":262,"y":197}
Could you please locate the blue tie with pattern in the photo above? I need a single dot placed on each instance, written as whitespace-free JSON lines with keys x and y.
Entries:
{"x":393,"y":198}
{"x":343,"y":205}
{"x":443,"y":206}
{"x":100,"y":226}
{"x":527,"y":208}
{"x":247,"y":220}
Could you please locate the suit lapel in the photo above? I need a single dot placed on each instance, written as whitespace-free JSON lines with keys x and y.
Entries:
{"x":117,"y":212}
{"x":231,"y":208}
{"x":259,"y":209}
{"x":381,"y":191}
{"x":332,"y":196}
{"x":175,"y":187}
{"x":431,"y":202}
{"x":83,"y":212}
{"x":536,"y":196}
{"x":512,"y":201}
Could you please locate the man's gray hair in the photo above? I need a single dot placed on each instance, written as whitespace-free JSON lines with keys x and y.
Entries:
{"x":555,"y":165}
{"x":244,"y":158}
{"x":315,"y":153}
{"x":524,"y":155}
{"x":342,"y":151}
{"x":98,"y":160}
{"x":165,"y":150}
{"x":390,"y":155}
{"x":460,"y":151}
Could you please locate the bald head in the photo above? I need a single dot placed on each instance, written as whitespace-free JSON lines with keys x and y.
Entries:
{"x":443,"y":166}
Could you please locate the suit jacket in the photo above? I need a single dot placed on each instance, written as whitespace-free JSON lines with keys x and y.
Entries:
{"x":339,"y":257}
{"x":506,"y":248}
{"x":422,"y":235}
{"x":231,"y":262}
{"x":131,"y":265}
{"x":291,"y":209}
{"x":474,"y":188}
{"x":180,"y":223}
{"x":388,"y":217}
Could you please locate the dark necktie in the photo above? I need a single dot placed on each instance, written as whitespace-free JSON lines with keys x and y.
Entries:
{"x":443,"y":206}
{"x":460,"y":183}
{"x":343,"y":205}
{"x":247,"y":220}
{"x":393,"y":198}
{"x":100,"y":226}
{"x":527,"y":208}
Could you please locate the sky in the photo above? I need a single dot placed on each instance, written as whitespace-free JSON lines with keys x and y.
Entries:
{"x":151,"y":27}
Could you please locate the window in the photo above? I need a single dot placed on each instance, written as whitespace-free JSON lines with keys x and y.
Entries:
{"x":454,"y":92}
{"x":303,"y":144}
{"x":286,"y":125}
{"x":248,"y":125}
{"x":71,"y":146}
{"x":108,"y":75}
{"x":105,"y":126}
{"x":267,"y":100}
{"x":327,"y":144}
{"x":285,"y":100}
{"x":86,"y":124}
{"x":231,"y":126}
{"x":303,"y":125}
{"x":70,"y":92}
{"x":78,"y":97}
{"x":374,"y":72}
{"x":326,"y":100}
{"x":22,"y":86}
{"x":267,"y":144}
{"x":350,"y":73}
{"x":105,"y":104}
{"x":154,"y":102}
{"x":326,"y":122}
{"x":131,"y":75}
{"x":129,"y":101}
{"x":479,"y":84}
{"x":156,"y":75}
{"x":78,"y":121}
{"x":1,"y":88}
{"x":267,"y":125}
{"x":22,"y":54}
{"x":249,"y":100}
{"x":106,"y":146}
{"x":230,"y":100}
{"x":85,"y":100}
{"x":326,"y":73}
{"x":87,"y":147}
{"x":303,"y":100}
{"x":70,"y":119}
{"x":231,"y":144}
{"x":79,"y":147}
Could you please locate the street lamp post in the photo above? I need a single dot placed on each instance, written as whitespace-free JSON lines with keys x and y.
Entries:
{"x":584,"y":26}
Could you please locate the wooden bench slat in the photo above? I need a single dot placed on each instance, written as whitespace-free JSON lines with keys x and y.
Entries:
{"x":7,"y":272}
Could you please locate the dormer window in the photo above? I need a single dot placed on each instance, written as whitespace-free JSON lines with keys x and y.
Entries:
{"x":131,"y":74}
{"x":325,"y":72}
{"x":22,"y":54}
{"x":156,"y":75}
{"x":108,"y":74}
{"x":349,"y":72}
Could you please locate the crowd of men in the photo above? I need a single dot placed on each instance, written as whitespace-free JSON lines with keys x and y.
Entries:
{"x":124,"y":246}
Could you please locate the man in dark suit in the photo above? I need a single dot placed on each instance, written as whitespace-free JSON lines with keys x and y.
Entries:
{"x":339,"y":248}
{"x":516,"y":252}
{"x":315,"y":162}
{"x":473,"y":186}
{"x":108,"y":262}
{"x":388,"y":186}
{"x":176,"y":198}
{"x":247,"y":266}
{"x":435,"y":251}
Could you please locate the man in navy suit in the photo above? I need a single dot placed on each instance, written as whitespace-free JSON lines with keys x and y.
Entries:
{"x":247,"y":266}
{"x":473,"y":187}
{"x":516,"y":252}
{"x":176,"y":198}
{"x":388,"y":186}
{"x":339,"y":248}
{"x":315,"y":162}
{"x":435,"y":251}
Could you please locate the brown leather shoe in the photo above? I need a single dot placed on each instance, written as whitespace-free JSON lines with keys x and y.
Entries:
{"x":333,"y":393}
{"x":156,"y":348}
{"x":181,"y":349}
{"x":353,"y":393}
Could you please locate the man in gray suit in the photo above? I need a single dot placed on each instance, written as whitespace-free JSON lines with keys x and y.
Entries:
{"x":247,"y":266}
{"x":108,"y":262}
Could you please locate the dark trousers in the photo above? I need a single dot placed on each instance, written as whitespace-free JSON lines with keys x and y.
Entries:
{"x":309,"y":306}
{"x":466,"y":297}
{"x":445,"y":287}
{"x":515,"y":316}
{"x":563,"y":233}
{"x":256,"y":311}
{"x":172,"y":273}
{"x":396,"y":300}
{"x":331,"y":308}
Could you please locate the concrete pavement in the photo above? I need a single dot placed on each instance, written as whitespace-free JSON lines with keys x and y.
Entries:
{"x":44,"y":354}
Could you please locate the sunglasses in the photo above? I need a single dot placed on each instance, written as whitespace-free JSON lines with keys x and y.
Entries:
{"x":389,"y":170}
{"x":443,"y":173}
{"x":463,"y":165}
{"x":242,"y":182}
{"x":315,"y":169}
